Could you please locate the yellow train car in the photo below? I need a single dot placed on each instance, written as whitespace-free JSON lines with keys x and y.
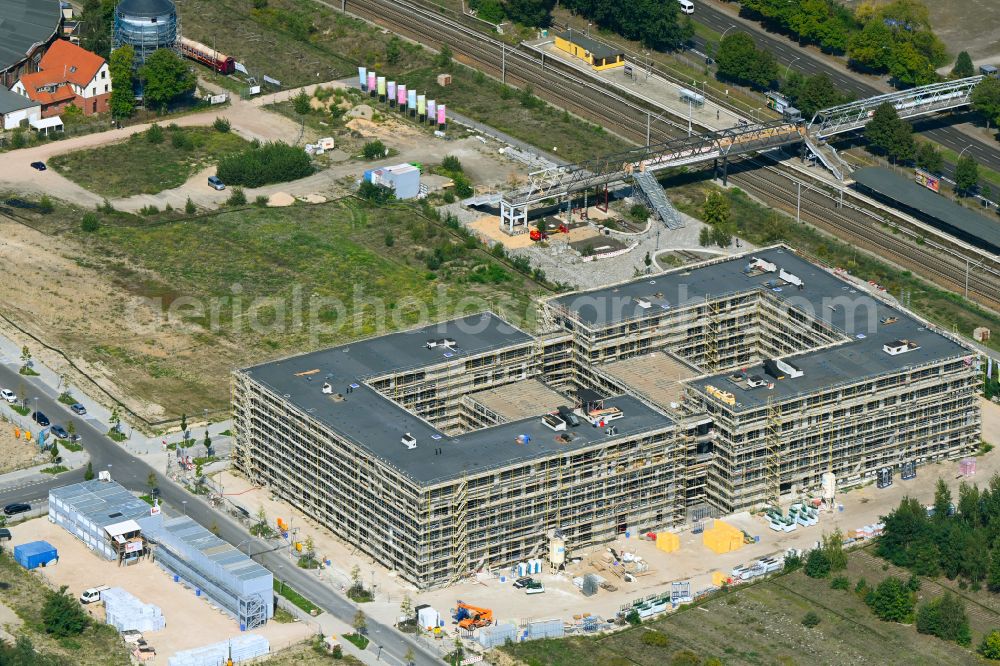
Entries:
{"x":594,"y":53}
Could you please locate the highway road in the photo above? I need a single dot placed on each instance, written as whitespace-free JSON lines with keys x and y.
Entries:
{"x":133,"y":473}
{"x":802,"y":60}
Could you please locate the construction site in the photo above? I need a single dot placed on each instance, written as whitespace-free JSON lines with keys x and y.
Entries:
{"x":740,"y":384}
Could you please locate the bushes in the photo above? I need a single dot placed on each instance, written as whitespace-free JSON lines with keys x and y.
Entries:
{"x":374,"y":150}
{"x":89,"y":223}
{"x":945,"y":618}
{"x":237,"y":198}
{"x":154,"y":134}
{"x":378,"y":194}
{"x":655,"y":639}
{"x":990,"y":647}
{"x":221,"y":125}
{"x":891,"y":601}
{"x":817,"y":564}
{"x":264,"y":164}
{"x":840,"y":583}
{"x":810,"y":620}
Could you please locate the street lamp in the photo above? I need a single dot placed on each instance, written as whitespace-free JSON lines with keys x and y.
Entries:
{"x":790,"y":65}
{"x":185,"y":504}
{"x":959,"y":157}
{"x":725,"y":31}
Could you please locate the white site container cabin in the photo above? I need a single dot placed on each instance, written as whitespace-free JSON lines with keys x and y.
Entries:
{"x":403,"y":179}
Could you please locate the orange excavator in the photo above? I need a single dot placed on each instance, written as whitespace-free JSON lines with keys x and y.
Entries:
{"x":539,"y":235}
{"x":472,"y":617}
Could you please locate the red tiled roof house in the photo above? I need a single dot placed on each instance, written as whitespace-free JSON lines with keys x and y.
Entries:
{"x":68,"y":75}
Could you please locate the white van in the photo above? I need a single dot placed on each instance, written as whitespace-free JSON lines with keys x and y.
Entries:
{"x":92,"y":594}
{"x":687,"y":7}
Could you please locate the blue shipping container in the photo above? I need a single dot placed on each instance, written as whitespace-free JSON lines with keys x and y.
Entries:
{"x":35,"y":554}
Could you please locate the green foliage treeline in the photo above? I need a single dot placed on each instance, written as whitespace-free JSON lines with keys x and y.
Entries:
{"x":533,"y":13}
{"x":893,"y":38}
{"x":962,"y":542}
{"x":262,"y":164}
{"x":655,"y":23}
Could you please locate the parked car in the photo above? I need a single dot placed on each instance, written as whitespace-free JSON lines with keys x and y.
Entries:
{"x":40,"y":419}
{"x":59,"y":431}
{"x":523,"y":582}
{"x":78,"y":408}
{"x":38,"y":166}
{"x":16,"y":508}
{"x":8,"y":395}
{"x":215,"y":183}
{"x":5,"y":534}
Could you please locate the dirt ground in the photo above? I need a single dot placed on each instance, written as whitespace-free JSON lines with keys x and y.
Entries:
{"x":190,"y":621}
{"x":964,"y":25}
{"x":694,"y":562}
{"x":16,"y":453}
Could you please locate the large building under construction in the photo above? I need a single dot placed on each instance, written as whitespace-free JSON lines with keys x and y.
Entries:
{"x":710,"y":389}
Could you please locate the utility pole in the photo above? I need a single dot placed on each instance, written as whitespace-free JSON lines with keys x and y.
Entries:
{"x":503,"y":63}
{"x":648,"y":122}
{"x":798,"y":202}
{"x":689,"y":116}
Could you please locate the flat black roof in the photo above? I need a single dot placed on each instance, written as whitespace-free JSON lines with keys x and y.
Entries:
{"x":911,"y":197}
{"x":848,"y":310}
{"x":596,"y":48}
{"x":23,"y":24}
{"x":375,"y":423}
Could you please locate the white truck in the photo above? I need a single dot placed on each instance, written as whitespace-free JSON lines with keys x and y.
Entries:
{"x":92,"y":594}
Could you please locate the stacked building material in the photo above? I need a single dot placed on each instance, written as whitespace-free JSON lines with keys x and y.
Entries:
{"x":722,"y":538}
{"x":719,"y":578}
{"x":668,"y":542}
{"x":127,"y":613}
{"x":545,"y":629}
{"x":498,"y":634}
{"x":240,"y":648}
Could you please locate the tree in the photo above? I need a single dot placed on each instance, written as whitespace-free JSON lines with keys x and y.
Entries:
{"x":222,"y":125}
{"x":88,"y":474}
{"x":722,"y":235}
{"x":966,"y":175}
{"x":71,"y":429}
{"x":810,"y":620}
{"x":393,"y":50}
{"x":95,"y":33}
{"x":648,"y":260}
{"x":452,"y":165}
{"x":705,"y":236}
{"x":237,"y":197}
{"x":532,"y":13}
{"x":444,"y":57}
{"x":189,"y":207}
{"x":903,"y":148}
{"x":990,"y":647}
{"x":942,"y":501}
{"x":301,"y":103}
{"x":818,"y":92}
{"x":817,"y":563}
{"x":945,"y":618}
{"x":409,"y":656}
{"x":166,"y":78}
{"x":54,"y":452}
{"x":716,"y":208}
{"x":406,"y":607}
{"x":151,"y":481}
{"x":739,"y":60}
{"x":207,"y":443}
{"x":891,"y":601}
{"x":184,"y":426}
{"x":62,"y":615}
{"x":880,"y":132}
{"x":963,"y":66}
{"x":929,"y":157}
{"x":25,"y":357}
{"x":120,"y":65}
{"x":986,"y":99}
{"x":116,"y":419}
{"x":833,"y":546}
{"x":376,"y":193}
{"x":360,"y":622}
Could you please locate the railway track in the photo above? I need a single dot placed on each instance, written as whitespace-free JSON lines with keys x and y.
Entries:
{"x":559,"y":84}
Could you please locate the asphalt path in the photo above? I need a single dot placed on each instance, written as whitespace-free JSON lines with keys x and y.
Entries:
{"x":802,"y":60}
{"x":133,"y":473}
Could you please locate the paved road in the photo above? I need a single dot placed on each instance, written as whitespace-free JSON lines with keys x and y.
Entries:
{"x":802,"y":60}
{"x":132,"y":473}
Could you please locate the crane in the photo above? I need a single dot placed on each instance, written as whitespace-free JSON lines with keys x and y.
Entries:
{"x":472,"y":617}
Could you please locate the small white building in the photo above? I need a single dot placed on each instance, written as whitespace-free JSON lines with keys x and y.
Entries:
{"x":17,"y":111}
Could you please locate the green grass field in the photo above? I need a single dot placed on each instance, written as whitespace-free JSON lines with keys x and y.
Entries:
{"x":260,"y":283}
{"x":761,"y":625}
{"x":136,"y":166}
